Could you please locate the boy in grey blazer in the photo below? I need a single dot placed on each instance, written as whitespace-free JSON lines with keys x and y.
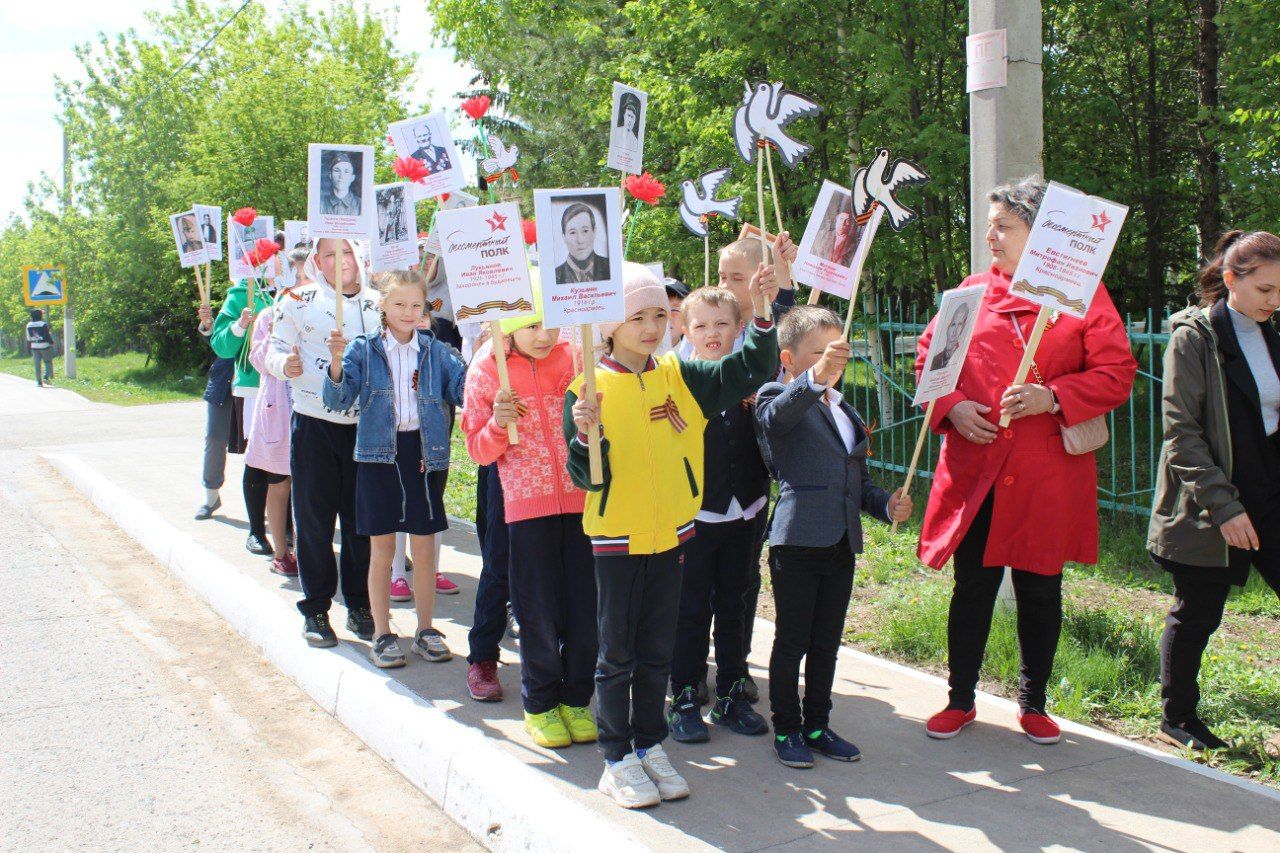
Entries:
{"x":816,"y":448}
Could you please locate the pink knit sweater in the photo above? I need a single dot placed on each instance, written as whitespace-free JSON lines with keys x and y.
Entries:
{"x":535,"y":475}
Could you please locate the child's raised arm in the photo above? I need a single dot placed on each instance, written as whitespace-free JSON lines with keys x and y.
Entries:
{"x":341,"y":394}
{"x":717,"y":385}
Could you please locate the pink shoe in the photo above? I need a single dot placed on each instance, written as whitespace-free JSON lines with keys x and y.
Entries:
{"x":400,"y":590}
{"x":285,"y":566}
{"x":444,"y":586}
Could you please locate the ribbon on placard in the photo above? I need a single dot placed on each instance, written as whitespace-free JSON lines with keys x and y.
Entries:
{"x":467,"y":311}
{"x":1024,"y":286}
{"x":668,"y":411}
{"x":515,"y":176}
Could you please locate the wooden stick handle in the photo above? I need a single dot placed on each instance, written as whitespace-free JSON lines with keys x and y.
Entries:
{"x":706,"y":257}
{"x":814,"y":295}
{"x":777,"y":211}
{"x":915,"y":457}
{"x":1029,"y":355}
{"x":504,"y":378}
{"x":764,"y":243}
{"x":594,"y":457}
{"x":873,"y":225}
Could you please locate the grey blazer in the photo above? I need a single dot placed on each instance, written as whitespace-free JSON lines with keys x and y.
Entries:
{"x":822,"y":488}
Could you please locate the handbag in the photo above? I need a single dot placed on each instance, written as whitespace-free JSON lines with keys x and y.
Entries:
{"x":1085,"y":437}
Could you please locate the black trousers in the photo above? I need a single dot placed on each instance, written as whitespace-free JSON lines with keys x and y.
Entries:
{"x":324,"y":491}
{"x":717,"y":573}
{"x":638,"y":604}
{"x":811,"y":588}
{"x":254,"y":484}
{"x":492,"y":592}
{"x":969,"y":622}
{"x":1196,"y":614}
{"x":553,"y":593}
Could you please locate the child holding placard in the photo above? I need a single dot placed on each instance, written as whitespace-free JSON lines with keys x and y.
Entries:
{"x":553,"y":585}
{"x":653,"y":412}
{"x":402,"y":378}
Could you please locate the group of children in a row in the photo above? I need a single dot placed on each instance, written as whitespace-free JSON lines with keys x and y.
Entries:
{"x":614,"y":585}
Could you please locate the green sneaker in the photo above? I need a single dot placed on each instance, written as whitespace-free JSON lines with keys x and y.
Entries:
{"x":547,"y":729}
{"x":580,"y":723}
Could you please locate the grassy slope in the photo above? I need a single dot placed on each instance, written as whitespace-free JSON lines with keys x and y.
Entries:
{"x":124,"y":379}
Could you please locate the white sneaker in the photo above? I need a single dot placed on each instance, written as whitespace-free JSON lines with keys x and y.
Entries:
{"x":628,"y":784}
{"x":670,"y":784}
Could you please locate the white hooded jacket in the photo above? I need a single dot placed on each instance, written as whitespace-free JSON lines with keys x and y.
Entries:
{"x":304,"y":317}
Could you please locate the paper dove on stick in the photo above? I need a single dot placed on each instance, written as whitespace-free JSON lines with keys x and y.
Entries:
{"x":880,"y":182}
{"x":700,"y":202}
{"x":765,"y":112}
{"x":503,"y":159}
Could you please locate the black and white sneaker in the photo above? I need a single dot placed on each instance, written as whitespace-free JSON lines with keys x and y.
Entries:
{"x":429,"y":645}
{"x":360,"y":623}
{"x":257,"y":545}
{"x":1193,"y":734}
{"x":385,"y":652}
{"x":318,"y":633}
{"x":513,"y":627}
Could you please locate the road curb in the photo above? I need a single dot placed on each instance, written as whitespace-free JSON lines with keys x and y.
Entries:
{"x":502,"y":802}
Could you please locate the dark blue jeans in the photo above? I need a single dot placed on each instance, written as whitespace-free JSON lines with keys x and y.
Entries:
{"x":490,"y":621}
{"x":553,"y":592}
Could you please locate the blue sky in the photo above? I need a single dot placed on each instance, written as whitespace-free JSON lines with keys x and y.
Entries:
{"x":36,"y":43}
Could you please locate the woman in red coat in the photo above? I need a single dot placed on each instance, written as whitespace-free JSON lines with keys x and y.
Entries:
{"x":1014,"y":497}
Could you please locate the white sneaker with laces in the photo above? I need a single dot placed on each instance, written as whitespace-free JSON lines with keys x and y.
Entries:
{"x":628,"y":783}
{"x":670,"y":784}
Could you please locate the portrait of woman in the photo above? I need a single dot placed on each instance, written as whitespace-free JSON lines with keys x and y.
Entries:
{"x":838,"y":234}
{"x":625,"y":141}
{"x":580,"y":225}
{"x":341,"y":170}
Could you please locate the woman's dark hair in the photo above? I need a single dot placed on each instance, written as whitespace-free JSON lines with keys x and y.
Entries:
{"x":1239,"y":251}
{"x":278,"y":239}
{"x":629,"y":101}
{"x":573,"y":210}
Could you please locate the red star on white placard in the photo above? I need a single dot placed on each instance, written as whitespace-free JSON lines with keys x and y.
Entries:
{"x":497,"y":222}
{"x":1100,"y":221}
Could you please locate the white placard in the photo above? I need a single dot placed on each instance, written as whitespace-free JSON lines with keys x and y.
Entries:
{"x":580,"y":255}
{"x":485,"y":262}
{"x":296,"y":235}
{"x":209,"y":219}
{"x":626,"y":129}
{"x":957,"y":315}
{"x":456,"y":200}
{"x":395,"y":243}
{"x":986,"y":66}
{"x":829,"y":247}
{"x":240,"y":241}
{"x":656,"y":268}
{"x":1070,"y":244}
{"x":427,"y":140}
{"x":340,"y":191}
{"x":186,"y":239}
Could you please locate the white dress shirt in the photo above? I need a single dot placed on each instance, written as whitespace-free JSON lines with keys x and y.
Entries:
{"x":831,"y":397}
{"x":404,"y":369}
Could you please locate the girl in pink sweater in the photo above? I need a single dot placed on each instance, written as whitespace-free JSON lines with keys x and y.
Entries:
{"x":552,"y":574}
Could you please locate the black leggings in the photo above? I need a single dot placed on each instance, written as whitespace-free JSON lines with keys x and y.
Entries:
{"x":255,"y":484}
{"x":969,"y":622}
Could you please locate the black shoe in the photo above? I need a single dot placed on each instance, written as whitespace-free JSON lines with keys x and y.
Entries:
{"x":317,"y":632}
{"x":684,"y":718}
{"x":360,"y":622}
{"x":735,"y":712}
{"x":206,"y":512}
{"x":1193,"y":734}
{"x":704,"y":692}
{"x":749,"y":688}
{"x":832,"y":745}
{"x":792,"y":751}
{"x":255,"y":545}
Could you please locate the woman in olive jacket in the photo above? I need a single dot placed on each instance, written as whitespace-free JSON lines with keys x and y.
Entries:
{"x":1217,"y":499}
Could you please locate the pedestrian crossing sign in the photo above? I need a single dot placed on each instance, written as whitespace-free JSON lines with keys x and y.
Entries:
{"x":43,"y":286}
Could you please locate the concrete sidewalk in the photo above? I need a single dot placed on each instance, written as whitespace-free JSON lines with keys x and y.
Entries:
{"x":988,"y":789}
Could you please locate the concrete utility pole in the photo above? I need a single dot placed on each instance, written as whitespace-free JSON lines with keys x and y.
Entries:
{"x":1006,"y":124}
{"x":68,"y":310}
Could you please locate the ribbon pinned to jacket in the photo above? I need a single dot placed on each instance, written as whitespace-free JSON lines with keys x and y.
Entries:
{"x":668,"y":411}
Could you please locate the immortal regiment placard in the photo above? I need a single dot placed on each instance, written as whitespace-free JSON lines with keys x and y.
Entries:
{"x":485,"y":263}
{"x":209,"y":220}
{"x":427,"y":140}
{"x":580,"y":253}
{"x":456,"y":199}
{"x":626,"y":129}
{"x":1068,"y":250}
{"x":957,"y":315}
{"x":825,"y":259}
{"x":340,"y":191}
{"x":240,"y":242}
{"x":186,"y":238}
{"x":395,"y":244}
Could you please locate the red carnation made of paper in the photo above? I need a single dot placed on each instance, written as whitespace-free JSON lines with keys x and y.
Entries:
{"x":245,"y":216}
{"x":646,"y":188}
{"x":476,"y":107}
{"x":410,"y":169}
{"x":530,"y":229}
{"x":263,"y":250}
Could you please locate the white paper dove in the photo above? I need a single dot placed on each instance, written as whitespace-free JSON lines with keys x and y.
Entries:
{"x":699,"y":200}
{"x":503,"y":158}
{"x":880,"y":182}
{"x":765,"y":112}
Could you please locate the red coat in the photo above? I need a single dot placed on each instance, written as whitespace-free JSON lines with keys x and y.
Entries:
{"x":1046,"y":509}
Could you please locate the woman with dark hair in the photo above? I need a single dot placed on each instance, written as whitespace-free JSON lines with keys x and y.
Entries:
{"x":578,"y":227}
{"x":1216,"y":509}
{"x":626,"y":131}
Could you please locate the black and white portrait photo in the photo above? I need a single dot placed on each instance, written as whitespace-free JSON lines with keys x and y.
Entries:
{"x":393,"y":214}
{"x":427,"y":139}
{"x":209,"y":218}
{"x":951,"y":338}
{"x":626,"y":132}
{"x":340,"y":191}
{"x":952,"y":329}
{"x":340,"y":181}
{"x":580,"y":243}
{"x":426,"y":151}
{"x":579,"y":235}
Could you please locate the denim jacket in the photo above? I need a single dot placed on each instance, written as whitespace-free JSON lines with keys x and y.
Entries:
{"x":366,"y":379}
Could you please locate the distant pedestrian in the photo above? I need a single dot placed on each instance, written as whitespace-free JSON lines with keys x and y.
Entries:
{"x":40,"y":340}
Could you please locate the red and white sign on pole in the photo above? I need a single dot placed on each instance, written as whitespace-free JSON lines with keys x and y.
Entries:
{"x":987,"y":65}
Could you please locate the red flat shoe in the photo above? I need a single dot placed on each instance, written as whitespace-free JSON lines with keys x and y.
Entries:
{"x":1039,"y":727}
{"x":947,"y":724}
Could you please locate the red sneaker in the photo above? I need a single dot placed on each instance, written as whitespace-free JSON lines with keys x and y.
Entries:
{"x":1039,"y":727}
{"x":444,"y":586}
{"x":947,"y":724}
{"x":482,"y":682}
{"x":286,"y":566}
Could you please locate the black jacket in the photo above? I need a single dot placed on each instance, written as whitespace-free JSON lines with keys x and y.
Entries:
{"x":732,"y":464}
{"x":218,"y":388}
{"x":1253,"y":469}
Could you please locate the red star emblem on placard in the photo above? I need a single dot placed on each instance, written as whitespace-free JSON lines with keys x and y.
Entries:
{"x":497,"y":222}
{"x":1100,"y":221}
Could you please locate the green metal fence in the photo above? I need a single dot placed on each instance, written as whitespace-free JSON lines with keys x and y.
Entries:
{"x":883,"y":384}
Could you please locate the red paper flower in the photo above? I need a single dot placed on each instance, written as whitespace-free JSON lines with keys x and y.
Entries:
{"x":530,"y":228}
{"x":410,"y":169}
{"x":444,"y":197}
{"x":476,"y":107}
{"x":646,"y":188}
{"x":263,"y":250}
{"x":245,"y":216}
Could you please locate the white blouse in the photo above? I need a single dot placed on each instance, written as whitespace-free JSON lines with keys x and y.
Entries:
{"x":404,"y":379}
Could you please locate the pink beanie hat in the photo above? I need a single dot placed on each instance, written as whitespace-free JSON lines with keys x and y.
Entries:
{"x":641,"y":289}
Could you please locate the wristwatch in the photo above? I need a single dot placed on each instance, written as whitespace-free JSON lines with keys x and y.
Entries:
{"x":1057,"y":407}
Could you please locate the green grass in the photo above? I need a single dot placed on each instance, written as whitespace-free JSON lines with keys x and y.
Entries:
{"x":460,"y":491}
{"x":124,"y":379}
